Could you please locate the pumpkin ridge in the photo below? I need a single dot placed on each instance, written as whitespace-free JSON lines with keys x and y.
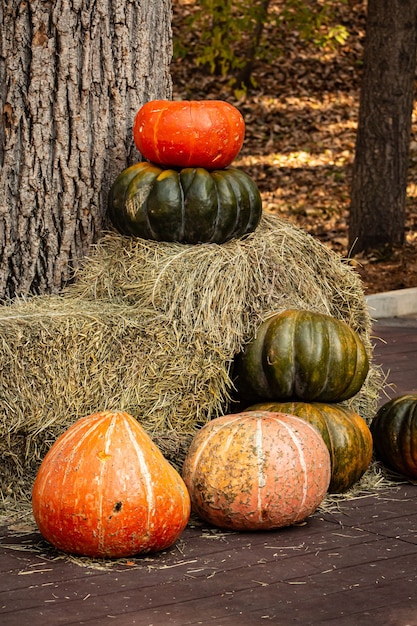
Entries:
{"x":167,"y":182}
{"x":137,"y":202}
{"x":218,"y":216}
{"x":260,"y":456}
{"x":183,"y":212}
{"x":344,"y":366}
{"x":117,"y":197}
{"x":242,"y":200}
{"x":352,"y":365}
{"x":226,"y":181}
{"x":287,"y":353}
{"x":315,"y":377}
{"x":196,"y":206}
{"x":191,"y":137}
{"x":358,"y":363}
{"x":413,"y":440}
{"x":331,"y":337}
{"x":329,"y":439}
{"x":301,"y":460}
{"x":103,"y":471}
{"x":405,"y":435}
{"x":87,"y":431}
{"x":198,"y":455}
{"x":233,"y":130}
{"x":145,"y":475}
{"x":156,"y":133}
{"x":291,"y":368}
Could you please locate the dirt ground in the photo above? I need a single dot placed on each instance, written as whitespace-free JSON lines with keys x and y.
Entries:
{"x":300,"y":138}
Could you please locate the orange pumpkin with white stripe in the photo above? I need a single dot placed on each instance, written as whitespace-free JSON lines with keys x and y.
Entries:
{"x":104,"y":489}
{"x":256,"y":471}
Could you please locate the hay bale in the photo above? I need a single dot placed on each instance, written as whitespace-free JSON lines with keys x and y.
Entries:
{"x":152,"y":328}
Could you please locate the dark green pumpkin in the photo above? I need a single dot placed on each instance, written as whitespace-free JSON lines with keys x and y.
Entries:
{"x":302,"y":355}
{"x":394,"y":431}
{"x":345,"y":433}
{"x":190,"y":206}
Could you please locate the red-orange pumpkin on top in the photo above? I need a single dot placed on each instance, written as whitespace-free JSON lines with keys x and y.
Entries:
{"x":189,"y":133}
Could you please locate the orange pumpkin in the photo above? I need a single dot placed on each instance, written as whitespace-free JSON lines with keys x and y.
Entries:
{"x":256,"y":470}
{"x":105,"y":490}
{"x":189,"y":133}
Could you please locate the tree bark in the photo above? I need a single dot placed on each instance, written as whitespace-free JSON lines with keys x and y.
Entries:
{"x":379,"y":182}
{"x":73,"y":74}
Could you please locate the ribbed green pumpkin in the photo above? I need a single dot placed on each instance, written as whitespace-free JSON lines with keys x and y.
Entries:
{"x":345,"y":433}
{"x":394,"y":431}
{"x":302,"y":355}
{"x":190,"y":206}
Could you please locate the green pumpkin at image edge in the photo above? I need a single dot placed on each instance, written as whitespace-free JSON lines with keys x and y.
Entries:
{"x":394,"y":431}
{"x":192,"y":205}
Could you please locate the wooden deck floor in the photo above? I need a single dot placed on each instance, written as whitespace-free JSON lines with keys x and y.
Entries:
{"x":355,"y":565}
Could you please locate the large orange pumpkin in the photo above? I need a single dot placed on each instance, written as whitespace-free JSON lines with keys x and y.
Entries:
{"x":256,"y":471}
{"x":189,"y":133}
{"x":105,"y":490}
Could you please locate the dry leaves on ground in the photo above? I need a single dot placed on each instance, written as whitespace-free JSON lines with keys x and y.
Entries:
{"x":300,"y":139}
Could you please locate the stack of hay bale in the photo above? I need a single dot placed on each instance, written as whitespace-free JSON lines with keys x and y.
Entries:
{"x":153,"y":327}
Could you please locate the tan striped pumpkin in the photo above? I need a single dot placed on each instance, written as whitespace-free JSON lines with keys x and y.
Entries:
{"x":345,"y":433}
{"x":105,"y":490}
{"x":256,"y":470}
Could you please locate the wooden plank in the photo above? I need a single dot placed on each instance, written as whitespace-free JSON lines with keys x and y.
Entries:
{"x":396,"y":351}
{"x":235,"y":573}
{"x":390,"y":505}
{"x":196,"y":542}
{"x":244,"y":590}
{"x":403,"y":379}
{"x":404,"y":528}
{"x":309,"y":600}
{"x":397,"y":613}
{"x":285,"y":544}
{"x":389,"y":340}
{"x":393,"y":348}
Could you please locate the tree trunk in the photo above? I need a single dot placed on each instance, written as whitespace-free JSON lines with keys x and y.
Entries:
{"x":379,"y":183}
{"x":73,"y":74}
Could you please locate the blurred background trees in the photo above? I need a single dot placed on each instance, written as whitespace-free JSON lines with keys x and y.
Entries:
{"x":232,"y":33}
{"x":71,"y":82}
{"x":235,"y":36}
